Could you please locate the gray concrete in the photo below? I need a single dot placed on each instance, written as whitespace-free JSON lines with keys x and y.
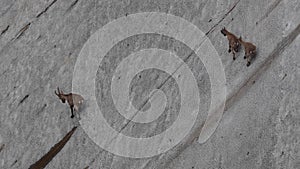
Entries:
{"x":260,"y":128}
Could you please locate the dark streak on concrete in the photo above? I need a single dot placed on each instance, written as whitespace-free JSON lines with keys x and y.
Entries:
{"x":24,"y":98}
{"x":269,"y":10}
{"x":72,"y":5}
{"x":43,"y":162}
{"x":46,"y":9}
{"x":2,"y":147}
{"x":3,"y":31}
{"x":42,"y":109}
{"x":21,"y":32}
{"x":285,"y":75}
{"x":226,"y":14}
{"x":15,"y":162}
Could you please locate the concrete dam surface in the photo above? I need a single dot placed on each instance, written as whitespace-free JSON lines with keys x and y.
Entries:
{"x":150,"y":84}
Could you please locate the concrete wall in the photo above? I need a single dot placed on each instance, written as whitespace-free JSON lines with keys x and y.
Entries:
{"x":41,"y":40}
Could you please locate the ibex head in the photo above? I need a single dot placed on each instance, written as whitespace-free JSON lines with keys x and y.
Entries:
{"x":224,"y":31}
{"x":60,"y":95}
{"x":240,"y":39}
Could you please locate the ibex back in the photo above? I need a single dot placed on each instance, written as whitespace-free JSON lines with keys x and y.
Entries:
{"x":250,"y":50}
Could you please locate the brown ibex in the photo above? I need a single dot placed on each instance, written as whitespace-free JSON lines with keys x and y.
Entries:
{"x":250,"y":50}
{"x":74,"y":100}
{"x":233,"y":42}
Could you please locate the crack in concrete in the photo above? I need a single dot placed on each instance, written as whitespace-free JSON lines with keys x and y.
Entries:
{"x":21,"y":32}
{"x":46,"y":9}
{"x":285,"y":75}
{"x":42,"y":109}
{"x":269,"y":10}
{"x":43,"y":162}
{"x":24,"y":98}
{"x":15,"y":162}
{"x":72,"y":5}
{"x":224,"y":16}
{"x":3,"y":31}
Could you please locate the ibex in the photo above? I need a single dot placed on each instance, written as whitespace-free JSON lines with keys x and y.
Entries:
{"x":74,"y":100}
{"x":250,"y":50}
{"x":233,"y":42}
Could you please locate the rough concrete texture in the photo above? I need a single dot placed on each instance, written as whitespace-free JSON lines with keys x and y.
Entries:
{"x":39,"y":44}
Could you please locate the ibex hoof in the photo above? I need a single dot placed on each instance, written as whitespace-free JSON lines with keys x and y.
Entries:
{"x":233,"y":58}
{"x":248,"y":64}
{"x":245,"y":57}
{"x":72,"y":116}
{"x":229,"y":50}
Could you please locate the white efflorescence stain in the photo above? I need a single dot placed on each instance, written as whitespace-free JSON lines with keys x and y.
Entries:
{"x":99,"y":44}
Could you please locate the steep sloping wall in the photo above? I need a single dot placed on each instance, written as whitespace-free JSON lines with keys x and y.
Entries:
{"x":41,"y":40}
